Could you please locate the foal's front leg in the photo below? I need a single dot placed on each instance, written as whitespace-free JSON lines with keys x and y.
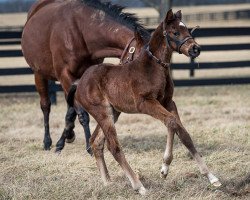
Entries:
{"x":97,"y":141}
{"x":187,"y":141}
{"x":172,"y":121}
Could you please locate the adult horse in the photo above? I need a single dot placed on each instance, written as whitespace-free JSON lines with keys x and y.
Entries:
{"x":62,"y":38}
{"x":149,"y":90}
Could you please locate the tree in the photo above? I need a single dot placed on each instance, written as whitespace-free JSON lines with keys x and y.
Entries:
{"x":161,"y":5}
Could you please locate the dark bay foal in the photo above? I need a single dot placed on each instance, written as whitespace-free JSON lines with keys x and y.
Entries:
{"x":142,"y":86}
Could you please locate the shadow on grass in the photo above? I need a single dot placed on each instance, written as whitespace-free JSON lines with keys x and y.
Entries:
{"x":237,"y":187}
{"x":150,"y":143}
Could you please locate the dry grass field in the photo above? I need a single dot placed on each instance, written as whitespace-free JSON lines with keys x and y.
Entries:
{"x":218,"y":119}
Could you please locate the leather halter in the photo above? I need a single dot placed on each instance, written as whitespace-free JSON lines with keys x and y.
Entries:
{"x":130,"y":50}
{"x":178,"y":43}
{"x":159,"y":61}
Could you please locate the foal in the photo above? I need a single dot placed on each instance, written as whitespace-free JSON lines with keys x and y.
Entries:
{"x":141,"y":86}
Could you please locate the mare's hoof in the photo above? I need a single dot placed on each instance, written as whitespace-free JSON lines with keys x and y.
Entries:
{"x":47,"y":145}
{"x":89,"y":150}
{"x":58,"y":151}
{"x":46,"y":148}
{"x":71,"y":138}
{"x":59,"y":146}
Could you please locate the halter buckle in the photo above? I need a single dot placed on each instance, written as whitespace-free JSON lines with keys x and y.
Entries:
{"x":131,"y":50}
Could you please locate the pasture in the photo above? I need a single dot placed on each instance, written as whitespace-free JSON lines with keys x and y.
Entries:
{"x":218,"y":119}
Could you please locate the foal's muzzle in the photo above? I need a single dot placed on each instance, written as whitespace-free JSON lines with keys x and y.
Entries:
{"x":194,"y":51}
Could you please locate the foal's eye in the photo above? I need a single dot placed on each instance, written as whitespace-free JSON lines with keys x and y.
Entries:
{"x":177,"y":34}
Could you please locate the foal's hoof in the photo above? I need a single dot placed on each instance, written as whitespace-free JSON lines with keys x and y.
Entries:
{"x":164,"y":170}
{"x":142,"y":191}
{"x":89,"y":150}
{"x":216,"y":184}
{"x":213,"y":180}
{"x":71,"y":138}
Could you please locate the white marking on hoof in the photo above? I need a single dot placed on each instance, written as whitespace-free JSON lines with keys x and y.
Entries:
{"x":143,"y":191}
{"x":164,"y":170}
{"x":213,"y":180}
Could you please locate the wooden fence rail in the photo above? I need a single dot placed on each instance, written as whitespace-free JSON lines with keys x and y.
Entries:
{"x":14,"y":38}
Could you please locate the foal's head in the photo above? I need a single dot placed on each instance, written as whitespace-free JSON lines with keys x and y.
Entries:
{"x":171,"y":35}
{"x":177,"y":35}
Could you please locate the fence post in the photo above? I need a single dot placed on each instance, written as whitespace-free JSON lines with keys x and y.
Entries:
{"x":191,"y":72}
{"x":52,"y":92}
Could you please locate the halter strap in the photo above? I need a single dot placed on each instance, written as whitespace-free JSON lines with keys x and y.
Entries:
{"x":159,"y":61}
{"x":178,"y":43}
{"x":131,"y":50}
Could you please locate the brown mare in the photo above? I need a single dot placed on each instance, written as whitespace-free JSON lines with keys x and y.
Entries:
{"x":141,"y":86}
{"x":61,"y":39}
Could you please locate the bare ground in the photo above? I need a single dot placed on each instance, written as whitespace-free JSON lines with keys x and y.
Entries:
{"x":218,"y":119}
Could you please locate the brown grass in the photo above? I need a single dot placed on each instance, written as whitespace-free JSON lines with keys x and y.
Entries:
{"x":218,"y":118}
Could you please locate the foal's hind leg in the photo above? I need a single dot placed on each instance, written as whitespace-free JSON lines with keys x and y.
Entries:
{"x":42,"y":88}
{"x":97,"y":143}
{"x":103,"y":117}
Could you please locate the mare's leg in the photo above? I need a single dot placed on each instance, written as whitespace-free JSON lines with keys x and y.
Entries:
{"x":68,"y":133}
{"x":156,"y":110}
{"x":102,"y":114}
{"x":42,"y":88}
{"x":97,"y":143}
{"x":83,"y":117}
{"x":70,"y":119}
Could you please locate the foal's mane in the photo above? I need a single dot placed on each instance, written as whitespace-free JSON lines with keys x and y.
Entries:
{"x":116,"y":12}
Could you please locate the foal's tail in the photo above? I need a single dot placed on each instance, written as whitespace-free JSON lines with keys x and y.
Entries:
{"x":71,"y":95}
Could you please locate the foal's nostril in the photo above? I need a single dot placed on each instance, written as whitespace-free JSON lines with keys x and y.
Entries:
{"x":194,"y":51}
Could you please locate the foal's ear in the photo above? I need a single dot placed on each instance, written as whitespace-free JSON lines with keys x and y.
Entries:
{"x":138,"y":38}
{"x":169,"y":16}
{"x":179,"y":15}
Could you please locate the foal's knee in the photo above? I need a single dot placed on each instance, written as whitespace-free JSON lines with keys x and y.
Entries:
{"x":113,"y":146}
{"x":172,"y":123}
